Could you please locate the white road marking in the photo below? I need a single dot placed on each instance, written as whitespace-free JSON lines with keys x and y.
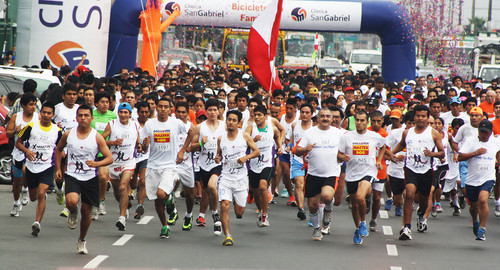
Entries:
{"x":387,"y":230}
{"x":95,"y":262}
{"x":383,"y":214}
{"x":123,"y":240}
{"x":145,"y":220}
{"x":392,"y":250}
{"x":396,"y":268}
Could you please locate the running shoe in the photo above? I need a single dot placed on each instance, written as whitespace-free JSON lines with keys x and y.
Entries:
{"x":399,"y":211}
{"x":197,"y":200}
{"x":95,"y":213}
{"x":481,"y":234}
{"x":250,"y":197}
{"x":200,"y":221}
{"x":317,"y":235}
{"x":497,"y":210}
{"x":60,"y":197}
{"x":264,"y":221}
{"x":325,"y":230}
{"x":388,"y":204}
{"x":301,"y":214}
{"x":327,"y":217}
{"x":475,"y":227}
{"x":102,"y":208}
{"x":108,"y":185}
{"x":129,"y":205}
{"x":362,"y":229}
{"x":121,"y":224}
{"x":64,"y":213}
{"x":368,"y":204}
{"x":16,"y":209}
{"x":434,"y":212}
{"x":72,"y":220}
{"x":405,"y":234}
{"x":275,"y":194}
{"x":170,"y":203}
{"x":217,"y":224}
{"x":273,"y":201}
{"x":188,"y":223}
{"x":348,"y":200}
{"x":35,"y":228}
{"x":456,"y":211}
{"x":284,"y":193}
{"x":81,"y":247}
{"x":421,"y":224}
{"x":357,"y":239}
{"x":172,"y":218}
{"x":309,"y":224}
{"x":25,"y":198}
{"x":373,"y":226}
{"x":461,"y":202}
{"x":228,"y":241}
{"x":439,"y":209}
{"x":165,"y":232}
{"x":139,"y":211}
{"x":292,"y":202}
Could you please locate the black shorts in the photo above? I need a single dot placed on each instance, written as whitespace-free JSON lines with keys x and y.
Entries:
{"x":473,"y":191}
{"x":141,"y":165}
{"x":343,"y":167}
{"x":397,"y":185}
{"x":439,"y":175}
{"x":352,"y":187}
{"x":254,"y":178}
{"x":197,"y":176}
{"x":314,"y":184}
{"x":422,"y":182}
{"x":35,"y":179}
{"x":88,"y":190}
{"x":205,"y":176}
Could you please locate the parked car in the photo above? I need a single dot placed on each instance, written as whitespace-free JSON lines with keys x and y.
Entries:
{"x":43,"y":77}
{"x":5,"y":150}
{"x":9,"y":83}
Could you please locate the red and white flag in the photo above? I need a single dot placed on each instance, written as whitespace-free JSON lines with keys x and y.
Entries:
{"x":263,"y":44}
{"x":316,"y":42}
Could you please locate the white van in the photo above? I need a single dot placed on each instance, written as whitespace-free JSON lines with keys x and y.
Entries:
{"x":43,"y":77}
{"x":365,"y":60}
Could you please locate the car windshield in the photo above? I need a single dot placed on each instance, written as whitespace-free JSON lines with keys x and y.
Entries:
{"x":489,"y":73}
{"x":374,"y":59}
{"x":298,"y":46}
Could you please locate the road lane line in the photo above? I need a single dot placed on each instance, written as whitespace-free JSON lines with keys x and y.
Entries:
{"x":383,"y":214}
{"x":94,"y":263}
{"x":145,"y":220}
{"x":392,"y":250}
{"x":396,"y":268}
{"x":387,"y":230}
{"x":123,"y":240}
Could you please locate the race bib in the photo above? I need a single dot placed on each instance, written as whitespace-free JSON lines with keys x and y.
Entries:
{"x":233,"y":164}
{"x":100,"y":126}
{"x":210,"y":145}
{"x":162,"y":147}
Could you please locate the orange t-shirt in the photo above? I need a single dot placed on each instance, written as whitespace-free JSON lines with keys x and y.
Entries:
{"x":496,"y":126}
{"x":382,"y":174}
{"x":488,"y":108}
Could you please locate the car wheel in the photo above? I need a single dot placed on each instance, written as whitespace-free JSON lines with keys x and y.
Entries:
{"x":5,"y":167}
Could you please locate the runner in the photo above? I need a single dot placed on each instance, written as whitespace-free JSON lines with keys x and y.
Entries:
{"x":164,"y":133}
{"x":16,"y":124}
{"x":287,"y":121}
{"x":205,"y":141}
{"x":481,"y":153}
{"x":321,"y":144}
{"x":83,"y":143}
{"x":141,"y":158}
{"x":418,"y":141}
{"x":122,"y":138}
{"x":361,"y":169}
{"x":41,"y":137}
{"x":233,"y":181}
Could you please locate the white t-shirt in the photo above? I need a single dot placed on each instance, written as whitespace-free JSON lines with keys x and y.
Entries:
{"x":464,"y":133}
{"x":362,"y":148}
{"x":323,"y":157}
{"x":65,"y":116}
{"x":481,"y":168}
{"x":124,"y":153}
{"x":395,"y":169}
{"x":163,"y":142}
{"x":448,"y":118}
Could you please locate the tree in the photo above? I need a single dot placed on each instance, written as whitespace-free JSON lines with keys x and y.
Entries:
{"x":479,"y":26}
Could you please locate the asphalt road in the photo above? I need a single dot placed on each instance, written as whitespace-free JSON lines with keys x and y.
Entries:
{"x":287,"y":244}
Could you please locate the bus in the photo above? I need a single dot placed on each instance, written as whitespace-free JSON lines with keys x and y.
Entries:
{"x":234,"y":48}
{"x":300,"y":50}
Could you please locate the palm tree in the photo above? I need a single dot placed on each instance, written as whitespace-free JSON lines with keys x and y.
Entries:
{"x":479,"y":26}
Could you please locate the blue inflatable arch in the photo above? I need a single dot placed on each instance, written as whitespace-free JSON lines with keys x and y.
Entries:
{"x":384,"y":18}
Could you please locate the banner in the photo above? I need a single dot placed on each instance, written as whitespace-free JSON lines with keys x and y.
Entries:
{"x":297,"y":15}
{"x":62,"y":32}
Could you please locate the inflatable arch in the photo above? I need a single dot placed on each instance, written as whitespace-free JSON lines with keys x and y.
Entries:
{"x":384,"y":18}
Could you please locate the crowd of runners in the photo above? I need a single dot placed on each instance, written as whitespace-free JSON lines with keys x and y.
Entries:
{"x":219,"y":139}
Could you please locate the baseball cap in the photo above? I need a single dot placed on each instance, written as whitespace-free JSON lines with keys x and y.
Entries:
{"x":485,"y":126}
{"x":180,"y":93}
{"x":160,"y":88}
{"x":300,"y":95}
{"x":376,"y":94}
{"x":313,"y":90}
{"x":399,"y":96}
{"x":349,"y":89}
{"x":419,"y":89}
{"x":412,"y":82}
{"x":407,"y":88}
{"x":455,"y":100}
{"x":363,"y":88}
{"x":399,"y":103}
{"x":187,"y":88}
{"x":372,"y":101}
{"x":380,"y":80}
{"x":392,"y":101}
{"x":245,"y":76}
{"x":208,"y":92}
{"x":345,"y":70}
{"x":476,"y":110}
{"x":396,"y":114}
{"x":198,"y":87}
{"x":479,"y":85}
{"x":125,"y":106}
{"x":200,"y":113}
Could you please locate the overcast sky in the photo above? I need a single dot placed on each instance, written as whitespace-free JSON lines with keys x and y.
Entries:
{"x":482,"y":11}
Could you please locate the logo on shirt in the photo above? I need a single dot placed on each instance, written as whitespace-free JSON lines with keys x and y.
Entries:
{"x":360,"y":149}
{"x":162,"y":137}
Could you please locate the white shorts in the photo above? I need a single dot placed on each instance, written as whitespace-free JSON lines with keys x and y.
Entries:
{"x":186,"y":176}
{"x":378,"y":186}
{"x":450,"y":184}
{"x":115,"y":172}
{"x":163,"y":179}
{"x":228,"y":190}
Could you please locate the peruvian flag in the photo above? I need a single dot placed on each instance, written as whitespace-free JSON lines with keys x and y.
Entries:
{"x":262,"y":46}
{"x":316,"y":42}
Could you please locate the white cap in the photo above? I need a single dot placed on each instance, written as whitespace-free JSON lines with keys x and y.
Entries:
{"x":208,"y":91}
{"x":160,"y":88}
{"x":412,"y":82}
{"x":479,"y":85}
{"x":245,"y":76}
{"x":364,"y":89}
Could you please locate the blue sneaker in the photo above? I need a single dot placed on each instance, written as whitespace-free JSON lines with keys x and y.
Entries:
{"x":358,"y":239}
{"x":284,"y":193}
{"x":481,"y":234}
{"x":399,"y":211}
{"x":388,"y":204}
{"x":475,"y":227}
{"x":309,"y":224}
{"x":362,"y":229}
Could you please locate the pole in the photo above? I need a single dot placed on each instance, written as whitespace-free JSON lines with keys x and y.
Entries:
{"x":472,"y":28}
{"x":489,"y":16}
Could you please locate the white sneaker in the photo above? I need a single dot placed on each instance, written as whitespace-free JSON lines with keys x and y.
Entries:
{"x":121,"y":224}
{"x":35,"y":228}
{"x":73,"y":219}
{"x":264,"y":221}
{"x":102,"y":208}
{"x":497,"y":210}
{"x":16,"y":208}
{"x":25,"y":198}
{"x":81,"y":247}
{"x":95,"y":213}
